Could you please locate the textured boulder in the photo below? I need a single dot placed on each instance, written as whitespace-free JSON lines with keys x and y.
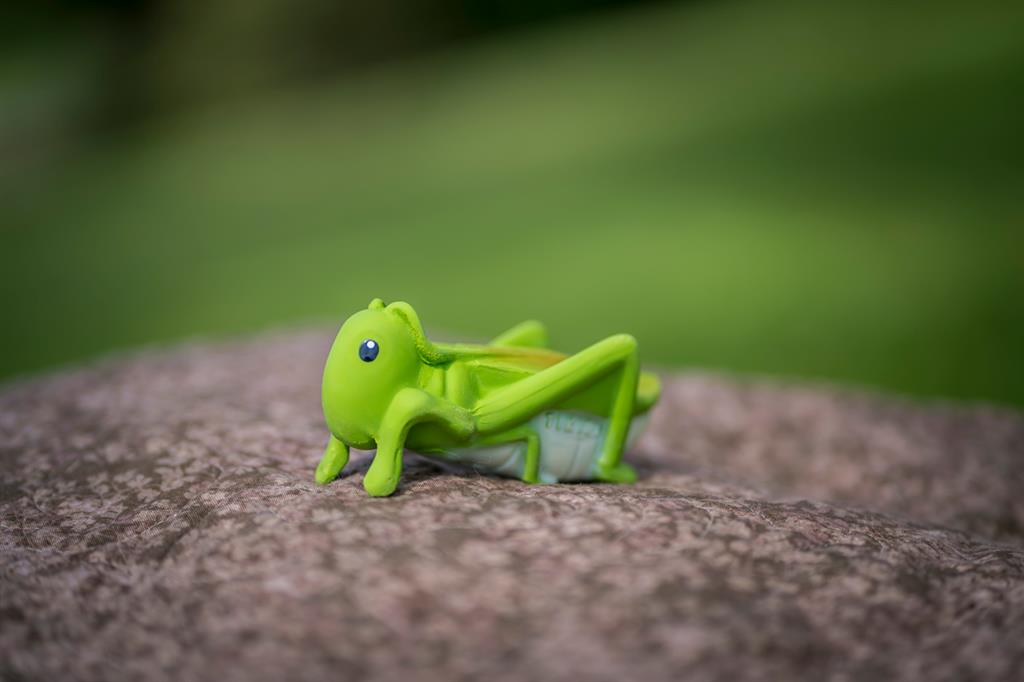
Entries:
{"x":160,"y":521}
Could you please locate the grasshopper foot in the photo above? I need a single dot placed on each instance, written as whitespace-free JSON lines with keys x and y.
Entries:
{"x":620,"y":473}
{"x":379,"y":486}
{"x":334,"y":460}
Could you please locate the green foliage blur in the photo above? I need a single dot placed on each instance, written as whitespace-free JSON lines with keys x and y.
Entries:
{"x":817,"y":190}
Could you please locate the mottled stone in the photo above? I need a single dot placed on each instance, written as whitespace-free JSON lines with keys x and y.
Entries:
{"x":160,"y":521}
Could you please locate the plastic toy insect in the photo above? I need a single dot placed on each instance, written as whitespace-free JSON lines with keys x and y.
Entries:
{"x":511,"y":407}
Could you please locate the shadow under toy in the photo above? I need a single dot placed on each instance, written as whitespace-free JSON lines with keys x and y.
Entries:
{"x":510,"y":407}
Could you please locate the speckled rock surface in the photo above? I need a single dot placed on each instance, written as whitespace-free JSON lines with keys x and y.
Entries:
{"x":160,"y":522}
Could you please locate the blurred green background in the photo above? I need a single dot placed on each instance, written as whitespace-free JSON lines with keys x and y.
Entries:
{"x":830,"y":191}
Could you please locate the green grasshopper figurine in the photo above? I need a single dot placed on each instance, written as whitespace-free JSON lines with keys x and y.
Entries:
{"x":511,"y":407}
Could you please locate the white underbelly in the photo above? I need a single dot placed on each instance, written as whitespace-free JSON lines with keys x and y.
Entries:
{"x":570,"y":445}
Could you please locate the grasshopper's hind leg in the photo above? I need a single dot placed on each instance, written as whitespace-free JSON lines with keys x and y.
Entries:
{"x":615,"y":356}
{"x":531,"y":462}
{"x":529,"y":334}
{"x":610,"y":467}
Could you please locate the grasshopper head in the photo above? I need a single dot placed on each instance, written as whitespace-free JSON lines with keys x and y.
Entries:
{"x":377,"y":352}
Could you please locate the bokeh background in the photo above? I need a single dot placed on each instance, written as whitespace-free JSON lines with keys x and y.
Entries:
{"x":828,"y":191}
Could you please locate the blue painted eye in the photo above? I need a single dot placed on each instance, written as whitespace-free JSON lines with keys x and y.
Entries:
{"x":368,"y":350}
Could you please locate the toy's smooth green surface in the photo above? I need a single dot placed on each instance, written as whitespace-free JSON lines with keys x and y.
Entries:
{"x":387,"y":386}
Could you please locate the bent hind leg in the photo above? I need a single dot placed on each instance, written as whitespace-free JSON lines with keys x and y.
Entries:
{"x":616,"y":358}
{"x":529,"y":334}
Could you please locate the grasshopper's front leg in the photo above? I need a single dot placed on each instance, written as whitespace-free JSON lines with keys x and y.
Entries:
{"x":410,"y":406}
{"x":334,"y":460}
{"x":516,"y":403}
